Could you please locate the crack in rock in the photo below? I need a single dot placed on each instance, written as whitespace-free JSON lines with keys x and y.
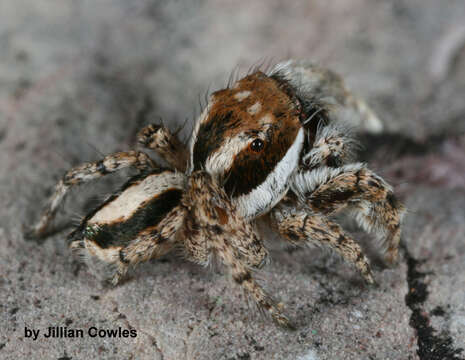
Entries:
{"x":153,"y":340}
{"x":431,"y":346}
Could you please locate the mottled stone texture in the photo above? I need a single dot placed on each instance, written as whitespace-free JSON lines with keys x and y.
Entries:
{"x":80,"y":78}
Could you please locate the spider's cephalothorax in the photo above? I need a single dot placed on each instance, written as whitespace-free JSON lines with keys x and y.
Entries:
{"x":250,"y":138}
{"x":274,"y":146}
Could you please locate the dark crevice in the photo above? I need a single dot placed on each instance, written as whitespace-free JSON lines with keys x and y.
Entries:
{"x":65,"y":356}
{"x":154,"y":342}
{"x":3,"y":134}
{"x":431,"y":345}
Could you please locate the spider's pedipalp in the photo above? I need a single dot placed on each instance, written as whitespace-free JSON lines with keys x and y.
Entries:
{"x":209,"y":207}
{"x":333,"y":146}
{"x":301,"y":227}
{"x":166,"y":144}
{"x":84,"y":173}
{"x":329,"y":190}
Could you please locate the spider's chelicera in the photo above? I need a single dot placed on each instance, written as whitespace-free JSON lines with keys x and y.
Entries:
{"x":273,"y":146}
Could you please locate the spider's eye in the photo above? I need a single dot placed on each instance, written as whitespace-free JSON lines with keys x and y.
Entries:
{"x":257,"y":145}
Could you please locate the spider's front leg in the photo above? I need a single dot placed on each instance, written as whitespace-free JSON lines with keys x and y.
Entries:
{"x":224,"y":244}
{"x":213,"y":224}
{"x":376,"y":209}
{"x":84,"y":173}
{"x":166,"y":144}
{"x":301,"y":227}
{"x":242,"y":275}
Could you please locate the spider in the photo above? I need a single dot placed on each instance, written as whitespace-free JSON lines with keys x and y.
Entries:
{"x":272,"y":146}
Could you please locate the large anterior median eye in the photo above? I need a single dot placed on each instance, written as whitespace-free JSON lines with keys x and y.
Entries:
{"x":257,"y":145}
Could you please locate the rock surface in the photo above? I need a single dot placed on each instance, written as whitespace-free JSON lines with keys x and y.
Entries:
{"x":80,"y":78}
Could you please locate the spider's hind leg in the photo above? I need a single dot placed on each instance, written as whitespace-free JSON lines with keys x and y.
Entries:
{"x":85,"y":173}
{"x":329,"y":190}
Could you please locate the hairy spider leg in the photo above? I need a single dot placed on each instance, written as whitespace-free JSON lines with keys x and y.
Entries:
{"x":371,"y":200}
{"x":302,"y":227}
{"x":215,"y":226}
{"x":84,"y":173}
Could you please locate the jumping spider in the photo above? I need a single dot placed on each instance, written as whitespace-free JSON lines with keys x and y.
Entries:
{"x":272,"y":146}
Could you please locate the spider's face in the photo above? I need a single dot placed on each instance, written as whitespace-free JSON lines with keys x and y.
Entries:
{"x":250,"y":137}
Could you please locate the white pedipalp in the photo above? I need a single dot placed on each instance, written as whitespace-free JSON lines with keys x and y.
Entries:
{"x":336,"y":140}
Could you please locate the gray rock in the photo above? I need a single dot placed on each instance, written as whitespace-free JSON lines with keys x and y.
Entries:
{"x":435,"y":237}
{"x":79,"y":78}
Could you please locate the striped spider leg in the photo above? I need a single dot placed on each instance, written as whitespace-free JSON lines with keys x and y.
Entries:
{"x":371,"y":200}
{"x":82,"y":174}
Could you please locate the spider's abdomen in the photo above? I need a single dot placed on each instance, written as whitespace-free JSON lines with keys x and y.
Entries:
{"x":141,"y":204}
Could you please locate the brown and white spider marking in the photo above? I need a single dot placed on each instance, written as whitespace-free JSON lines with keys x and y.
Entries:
{"x":272,"y":146}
